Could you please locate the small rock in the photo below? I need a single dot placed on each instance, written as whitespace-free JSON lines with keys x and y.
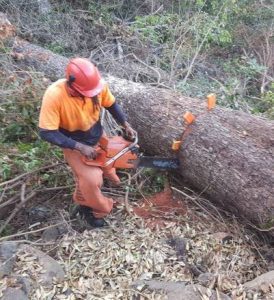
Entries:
{"x":156,"y":285}
{"x":7,"y":257}
{"x":206,"y":279}
{"x":20,"y":283}
{"x":38,"y":214}
{"x":196,"y":270}
{"x":52,"y":269}
{"x":255,"y":284}
{"x":53,"y":233}
{"x":179,"y":290}
{"x":194,"y":292}
{"x":179,"y":245}
{"x":25,"y":283}
{"x":14,"y":294}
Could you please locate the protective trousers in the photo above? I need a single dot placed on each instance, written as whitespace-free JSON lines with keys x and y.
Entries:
{"x":89,"y":180}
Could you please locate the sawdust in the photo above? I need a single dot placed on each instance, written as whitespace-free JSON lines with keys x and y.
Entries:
{"x":160,"y":209}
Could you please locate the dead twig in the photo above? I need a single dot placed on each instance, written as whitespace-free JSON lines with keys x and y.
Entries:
{"x":24,"y":200}
{"x":261,"y":229}
{"x":10,"y":201}
{"x":194,"y":199}
{"x":28,"y":173}
{"x":127,"y":206}
{"x":35,"y":231}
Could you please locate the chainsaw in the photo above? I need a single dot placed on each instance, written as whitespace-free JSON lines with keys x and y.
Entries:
{"x":118,"y":152}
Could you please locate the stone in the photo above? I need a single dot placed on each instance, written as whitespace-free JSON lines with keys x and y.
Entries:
{"x":7,"y":257}
{"x":179,"y":245}
{"x":14,"y":294}
{"x":53,"y":233}
{"x":156,"y":285}
{"x":19,"y":283}
{"x":179,"y":290}
{"x":206,"y":279}
{"x":262,"y":280}
{"x":26,"y":284}
{"x":194,"y":292}
{"x":51,"y":268}
{"x":38,"y":213}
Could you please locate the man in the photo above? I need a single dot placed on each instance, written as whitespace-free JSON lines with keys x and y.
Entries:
{"x":70,"y":119}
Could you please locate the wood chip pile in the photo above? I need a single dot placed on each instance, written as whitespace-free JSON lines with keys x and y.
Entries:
{"x":104,"y":263}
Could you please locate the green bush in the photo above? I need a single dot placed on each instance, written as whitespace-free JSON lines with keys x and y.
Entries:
{"x":156,"y":28}
{"x":19,"y":112}
{"x":266,"y":104}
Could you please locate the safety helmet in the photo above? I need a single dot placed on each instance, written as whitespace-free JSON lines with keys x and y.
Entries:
{"x":84,"y":77}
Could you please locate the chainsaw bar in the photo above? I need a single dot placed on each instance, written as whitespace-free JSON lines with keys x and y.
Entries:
{"x":157,"y":162}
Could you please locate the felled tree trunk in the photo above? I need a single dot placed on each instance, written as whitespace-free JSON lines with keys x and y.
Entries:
{"x":44,"y":6}
{"x":227,"y":154}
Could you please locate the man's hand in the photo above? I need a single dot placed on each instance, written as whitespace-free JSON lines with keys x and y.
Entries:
{"x":129,"y":131}
{"x":88,"y":151}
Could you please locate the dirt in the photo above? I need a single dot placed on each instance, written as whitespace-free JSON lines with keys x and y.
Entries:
{"x":160,"y":209}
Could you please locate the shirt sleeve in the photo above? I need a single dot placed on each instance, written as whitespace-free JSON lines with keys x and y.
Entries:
{"x":117,"y":113}
{"x":107,"y":97}
{"x":49,"y":117}
{"x":57,"y":138}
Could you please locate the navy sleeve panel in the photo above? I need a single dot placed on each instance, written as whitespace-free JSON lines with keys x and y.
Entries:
{"x":57,"y":138}
{"x":117,"y":113}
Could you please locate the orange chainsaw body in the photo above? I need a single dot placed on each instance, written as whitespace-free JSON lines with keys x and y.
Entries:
{"x":108,"y":148}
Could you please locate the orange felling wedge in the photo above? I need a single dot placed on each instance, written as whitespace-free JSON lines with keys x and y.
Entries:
{"x":211,"y":101}
{"x":189,"y":117}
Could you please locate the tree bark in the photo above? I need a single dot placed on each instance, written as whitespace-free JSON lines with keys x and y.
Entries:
{"x":228,"y":154}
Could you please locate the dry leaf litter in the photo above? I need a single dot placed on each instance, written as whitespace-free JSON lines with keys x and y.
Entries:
{"x":103,"y":263}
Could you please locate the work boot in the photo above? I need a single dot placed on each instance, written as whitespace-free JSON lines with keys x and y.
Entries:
{"x":112,"y":183}
{"x":86,"y":212}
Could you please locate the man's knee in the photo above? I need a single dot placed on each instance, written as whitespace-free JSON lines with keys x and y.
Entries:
{"x":92,"y":176}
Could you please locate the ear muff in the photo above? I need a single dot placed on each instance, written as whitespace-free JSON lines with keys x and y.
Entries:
{"x":71,"y":78}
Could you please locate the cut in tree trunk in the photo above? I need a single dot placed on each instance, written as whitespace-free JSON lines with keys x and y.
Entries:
{"x":227,"y":154}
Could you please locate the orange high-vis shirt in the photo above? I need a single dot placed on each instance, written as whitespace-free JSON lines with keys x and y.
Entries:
{"x":61,"y":111}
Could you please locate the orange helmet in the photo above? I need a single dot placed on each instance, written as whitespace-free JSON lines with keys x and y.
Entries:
{"x":84,"y":77}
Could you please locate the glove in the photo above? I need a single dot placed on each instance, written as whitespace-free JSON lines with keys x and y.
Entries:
{"x":88,"y":151}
